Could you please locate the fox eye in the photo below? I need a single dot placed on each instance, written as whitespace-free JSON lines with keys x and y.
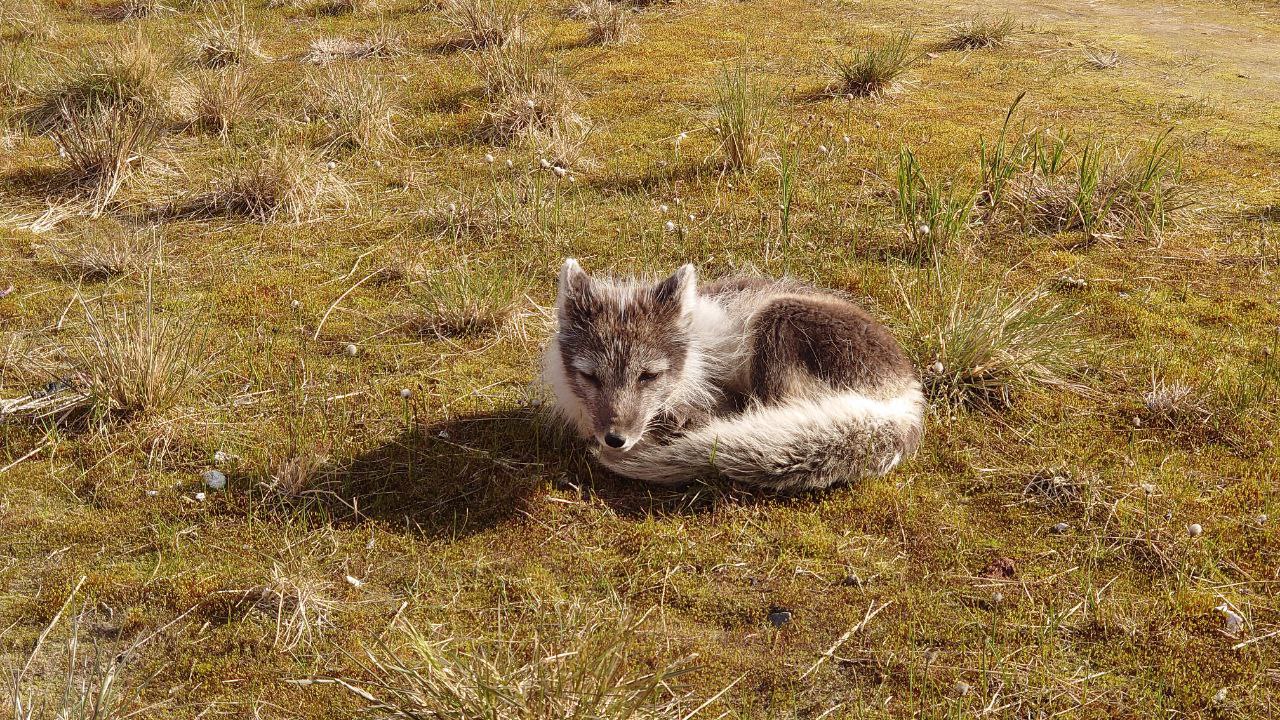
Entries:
{"x":648,"y":377}
{"x":589,"y":377}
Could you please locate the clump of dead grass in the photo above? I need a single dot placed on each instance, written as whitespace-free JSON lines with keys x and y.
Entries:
{"x":742,"y":115}
{"x":128,"y":75}
{"x":1104,"y":195}
{"x":294,"y":476}
{"x":608,"y":22}
{"x":471,"y":300}
{"x":531,"y":101}
{"x":222,"y":99}
{"x":104,"y":252}
{"x":981,"y":31}
{"x":121,"y":10}
{"x":981,"y":347}
{"x":382,"y":43}
{"x":589,"y":672}
{"x":142,"y":360}
{"x":1173,"y":404}
{"x":101,"y":144}
{"x":463,"y":219}
{"x":355,"y":107}
{"x":874,"y":68}
{"x":301,"y":607}
{"x":26,"y":21}
{"x":224,"y":39}
{"x":485,"y":23}
{"x":278,"y":182}
{"x":350,"y":7}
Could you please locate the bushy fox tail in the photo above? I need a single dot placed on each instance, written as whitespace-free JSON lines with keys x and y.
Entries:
{"x":801,"y":445}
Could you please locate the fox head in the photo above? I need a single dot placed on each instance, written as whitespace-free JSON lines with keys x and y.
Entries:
{"x":624,"y":348}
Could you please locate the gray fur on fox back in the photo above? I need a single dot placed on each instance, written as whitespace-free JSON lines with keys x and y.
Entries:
{"x":765,"y":382}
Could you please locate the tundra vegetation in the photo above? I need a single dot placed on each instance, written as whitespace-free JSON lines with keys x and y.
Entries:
{"x":275,"y":275}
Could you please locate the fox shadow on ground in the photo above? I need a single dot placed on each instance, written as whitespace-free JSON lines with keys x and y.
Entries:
{"x":468,"y":474}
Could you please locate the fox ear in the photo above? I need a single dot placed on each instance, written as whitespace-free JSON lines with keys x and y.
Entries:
{"x":575,"y":284}
{"x":681,"y":289}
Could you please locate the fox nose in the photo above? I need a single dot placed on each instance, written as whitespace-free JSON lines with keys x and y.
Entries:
{"x":614,"y":440}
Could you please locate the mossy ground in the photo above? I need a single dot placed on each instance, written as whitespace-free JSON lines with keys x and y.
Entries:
{"x":458,"y":510}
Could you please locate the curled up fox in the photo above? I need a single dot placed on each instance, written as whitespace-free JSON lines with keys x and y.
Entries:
{"x":765,"y":382}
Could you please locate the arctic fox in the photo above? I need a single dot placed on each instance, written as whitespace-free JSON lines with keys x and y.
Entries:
{"x":765,"y":382}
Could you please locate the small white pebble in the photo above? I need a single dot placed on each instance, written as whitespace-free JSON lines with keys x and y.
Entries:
{"x":823,"y":149}
{"x":200,"y":497}
{"x":355,"y":582}
{"x":510,"y":164}
{"x":214,"y":480}
{"x":1220,"y":696}
{"x":962,"y":688}
{"x":1137,"y":421}
{"x":923,"y":230}
{"x":296,"y":304}
{"x":936,"y":367}
{"x":331,"y":165}
{"x":488,"y":157}
{"x":663,"y":209}
{"x":1060,"y":528}
{"x":670,"y":226}
{"x":1194,"y":530}
{"x":406,"y":393}
{"x":352,"y":350}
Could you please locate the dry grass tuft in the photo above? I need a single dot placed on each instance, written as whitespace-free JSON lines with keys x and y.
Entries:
{"x":1173,"y":405}
{"x":142,"y":361}
{"x":294,"y":476}
{"x":485,"y":23}
{"x":873,"y":69}
{"x":127,"y":75}
{"x":225,"y":39}
{"x":383,"y":43}
{"x":981,"y":31}
{"x":742,"y":114}
{"x":608,"y":22}
{"x":1102,"y":59}
{"x":587,"y":674}
{"x":121,"y":10}
{"x":104,"y":253}
{"x":355,"y":107}
{"x":934,"y":215}
{"x":981,"y":348}
{"x":349,"y":7}
{"x":471,"y":301}
{"x":300,"y":606}
{"x":26,"y":21}
{"x":279,"y":182}
{"x":1108,"y":196}
{"x":531,"y":101}
{"x":222,"y":99}
{"x":102,"y":144}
